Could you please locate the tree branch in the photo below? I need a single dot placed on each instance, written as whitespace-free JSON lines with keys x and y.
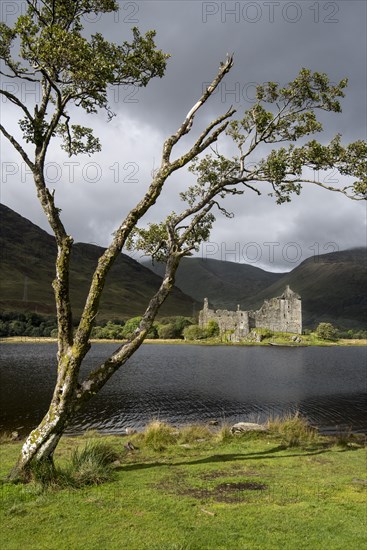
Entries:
{"x":103,"y":373}
{"x":18,"y":147}
{"x":187,"y":123}
{"x":17,"y":102}
{"x":343,"y":190}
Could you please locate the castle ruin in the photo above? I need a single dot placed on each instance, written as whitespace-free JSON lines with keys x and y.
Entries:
{"x":281,"y":314}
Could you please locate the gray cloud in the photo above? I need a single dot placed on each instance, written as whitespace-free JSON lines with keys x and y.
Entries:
{"x":324,"y":36}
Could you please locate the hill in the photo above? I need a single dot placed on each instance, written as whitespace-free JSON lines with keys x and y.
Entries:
{"x":332,"y":286}
{"x":225,"y":284}
{"x":27,"y":271}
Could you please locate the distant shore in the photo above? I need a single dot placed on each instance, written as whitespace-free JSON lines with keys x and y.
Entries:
{"x":207,"y":342}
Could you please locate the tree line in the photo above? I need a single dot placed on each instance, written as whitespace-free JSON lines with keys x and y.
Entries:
{"x":166,"y":328}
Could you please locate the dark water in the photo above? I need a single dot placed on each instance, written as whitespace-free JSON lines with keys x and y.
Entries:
{"x":194,"y":383}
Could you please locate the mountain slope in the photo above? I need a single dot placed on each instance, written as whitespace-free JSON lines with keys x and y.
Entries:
{"x":27,"y":271}
{"x":225,"y":284}
{"x":332,"y":286}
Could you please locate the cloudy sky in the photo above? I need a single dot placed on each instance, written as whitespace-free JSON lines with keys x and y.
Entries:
{"x":271,"y":40}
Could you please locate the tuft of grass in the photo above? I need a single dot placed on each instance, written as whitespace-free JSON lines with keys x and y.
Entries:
{"x":5,"y":437}
{"x":195,"y":433}
{"x":294,"y":430}
{"x":44,"y":473}
{"x":159,"y":435}
{"x":92,"y":464}
{"x":344,"y":437}
{"x":224,"y":434}
{"x":9,"y":437}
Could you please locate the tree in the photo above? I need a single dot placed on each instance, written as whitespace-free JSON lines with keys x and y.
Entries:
{"x":75,"y":70}
{"x":194,"y":332}
{"x":326,"y":331}
{"x":167,"y":332}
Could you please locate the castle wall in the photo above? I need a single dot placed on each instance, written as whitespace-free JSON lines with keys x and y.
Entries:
{"x":227,"y":320}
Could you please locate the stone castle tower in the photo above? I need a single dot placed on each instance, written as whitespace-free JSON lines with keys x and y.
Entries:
{"x":281,"y":314}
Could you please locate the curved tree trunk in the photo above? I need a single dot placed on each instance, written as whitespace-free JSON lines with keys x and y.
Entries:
{"x":42,"y":441}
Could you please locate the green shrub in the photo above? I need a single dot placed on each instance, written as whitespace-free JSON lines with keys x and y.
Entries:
{"x":194,"y":332}
{"x":130,"y":327}
{"x":326,"y":331}
{"x":212,"y":329}
{"x":167,"y":332}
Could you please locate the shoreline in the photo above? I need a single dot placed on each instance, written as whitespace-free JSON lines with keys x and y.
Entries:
{"x":48,"y":340}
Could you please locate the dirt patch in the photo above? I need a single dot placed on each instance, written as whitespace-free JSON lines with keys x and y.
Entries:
{"x":224,"y":492}
{"x":241,"y":486}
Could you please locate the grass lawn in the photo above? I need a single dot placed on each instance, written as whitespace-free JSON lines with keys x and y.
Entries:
{"x":196,"y":491}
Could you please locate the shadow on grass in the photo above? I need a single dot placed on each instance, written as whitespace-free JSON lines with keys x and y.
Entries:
{"x":269,"y":453}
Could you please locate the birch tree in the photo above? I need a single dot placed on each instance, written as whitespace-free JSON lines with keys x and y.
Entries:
{"x":73,"y":69}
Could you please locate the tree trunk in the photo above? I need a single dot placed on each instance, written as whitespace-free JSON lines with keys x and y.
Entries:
{"x":42,"y":441}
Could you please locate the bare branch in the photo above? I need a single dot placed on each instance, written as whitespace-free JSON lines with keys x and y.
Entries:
{"x":24,"y":75}
{"x":17,"y":102}
{"x":18,"y":147}
{"x":343,"y":190}
{"x":187,"y":123}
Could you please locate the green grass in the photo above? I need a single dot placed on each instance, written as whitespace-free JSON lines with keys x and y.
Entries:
{"x":201,"y":491}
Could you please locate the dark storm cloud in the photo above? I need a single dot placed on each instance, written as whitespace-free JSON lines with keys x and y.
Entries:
{"x":270,"y":41}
